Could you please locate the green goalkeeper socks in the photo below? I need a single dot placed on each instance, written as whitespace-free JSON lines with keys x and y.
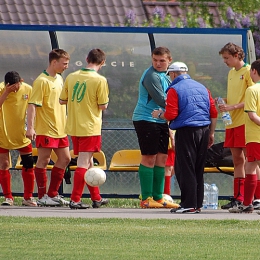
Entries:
{"x":146,"y":181}
{"x":158,"y":182}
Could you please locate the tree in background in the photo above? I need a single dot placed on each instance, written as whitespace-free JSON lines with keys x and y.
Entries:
{"x":243,"y":14}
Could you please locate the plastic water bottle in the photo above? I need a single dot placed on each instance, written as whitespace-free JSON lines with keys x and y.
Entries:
{"x":225,"y":115}
{"x":206,"y":196}
{"x":213,"y":197}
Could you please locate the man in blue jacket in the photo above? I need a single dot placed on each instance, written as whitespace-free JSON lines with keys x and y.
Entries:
{"x":191,"y":111}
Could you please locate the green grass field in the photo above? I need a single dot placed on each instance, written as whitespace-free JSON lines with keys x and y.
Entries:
{"x":66,"y":238}
{"x":79,"y":238}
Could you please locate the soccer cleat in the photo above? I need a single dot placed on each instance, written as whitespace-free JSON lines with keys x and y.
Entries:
{"x":233,"y":202}
{"x":46,"y":201}
{"x":242,"y":209}
{"x":29,"y":203}
{"x":98,"y":204}
{"x":185,"y":210}
{"x":150,"y":203}
{"x":167,"y":204}
{"x":60,"y":200}
{"x":256,"y":204}
{"x":78,"y":205}
{"x":8,"y":202}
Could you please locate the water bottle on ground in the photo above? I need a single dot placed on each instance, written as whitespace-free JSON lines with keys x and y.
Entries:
{"x":224,"y":115}
{"x":213,"y":197}
{"x":206,"y":196}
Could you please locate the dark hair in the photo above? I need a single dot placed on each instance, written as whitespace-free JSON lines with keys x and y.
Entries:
{"x":56,"y":54}
{"x":256,"y":66}
{"x":233,"y":49}
{"x":96,"y":56}
{"x":162,"y":51}
{"x":12,"y":77}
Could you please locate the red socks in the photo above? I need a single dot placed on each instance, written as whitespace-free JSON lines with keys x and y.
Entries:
{"x":94,"y":193}
{"x":78,"y":184}
{"x":41,"y":180}
{"x":167,"y":185}
{"x":239,"y":188}
{"x":28,"y":182}
{"x":56,"y":180}
{"x":250,"y":186}
{"x":257,"y":190}
{"x":5,"y":181}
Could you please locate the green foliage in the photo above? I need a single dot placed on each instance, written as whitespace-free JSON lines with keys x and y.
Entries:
{"x":234,"y":14}
{"x":194,"y":11}
{"x":158,"y":22}
{"x":245,"y":7}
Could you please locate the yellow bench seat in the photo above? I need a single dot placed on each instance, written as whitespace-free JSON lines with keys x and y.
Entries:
{"x":129,"y":160}
{"x":99,"y":156}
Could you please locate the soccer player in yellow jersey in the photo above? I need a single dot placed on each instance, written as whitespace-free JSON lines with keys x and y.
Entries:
{"x":46,"y":125}
{"x":252,"y":126}
{"x":14,"y":95}
{"x":86,"y":94}
{"x":238,"y":81}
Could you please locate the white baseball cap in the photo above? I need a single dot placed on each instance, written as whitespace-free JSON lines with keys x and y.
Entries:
{"x":177,"y":66}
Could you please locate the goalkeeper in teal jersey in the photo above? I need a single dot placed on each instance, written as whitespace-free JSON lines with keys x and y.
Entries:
{"x":153,"y":133}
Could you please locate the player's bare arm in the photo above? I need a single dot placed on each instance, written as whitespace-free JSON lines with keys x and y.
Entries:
{"x":254,"y":117}
{"x":31,"y":112}
{"x":103,"y":107}
{"x":63,"y":102}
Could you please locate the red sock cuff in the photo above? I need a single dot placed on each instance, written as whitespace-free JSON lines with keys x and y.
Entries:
{"x":5,"y":181}
{"x":94,"y":193}
{"x":250,"y":186}
{"x":257,"y":190}
{"x":78,"y":184}
{"x":239,"y":184}
{"x":167,"y":185}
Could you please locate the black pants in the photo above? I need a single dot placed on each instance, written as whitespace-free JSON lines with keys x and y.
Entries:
{"x":191,"y":150}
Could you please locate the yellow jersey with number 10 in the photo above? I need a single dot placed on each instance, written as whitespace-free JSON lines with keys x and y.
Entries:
{"x":84,"y":90}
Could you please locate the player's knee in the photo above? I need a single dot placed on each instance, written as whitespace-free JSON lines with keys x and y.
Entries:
{"x":27,"y":161}
{"x":4,"y":164}
{"x":67,"y":160}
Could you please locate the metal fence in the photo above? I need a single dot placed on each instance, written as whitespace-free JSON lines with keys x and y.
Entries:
{"x":118,"y":135}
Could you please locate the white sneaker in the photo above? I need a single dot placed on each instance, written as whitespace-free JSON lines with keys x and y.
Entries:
{"x":30,"y":202}
{"x":236,"y":209}
{"x":60,"y":200}
{"x":8,"y":202}
{"x":46,"y":201}
{"x":184,"y":210}
{"x":256,"y":204}
{"x":242,"y":209}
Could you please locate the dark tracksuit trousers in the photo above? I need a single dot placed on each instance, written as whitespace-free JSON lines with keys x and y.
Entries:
{"x":190,"y":154}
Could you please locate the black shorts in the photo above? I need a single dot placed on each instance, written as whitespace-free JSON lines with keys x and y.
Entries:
{"x":153,"y":138}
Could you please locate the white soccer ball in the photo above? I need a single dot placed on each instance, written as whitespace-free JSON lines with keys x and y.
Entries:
{"x":168,"y":198}
{"x":95,"y":177}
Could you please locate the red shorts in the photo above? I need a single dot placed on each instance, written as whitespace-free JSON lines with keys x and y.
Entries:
{"x":50,"y":142}
{"x":170,"y":158}
{"x":253,"y":152}
{"x":235,"y":137}
{"x":26,"y":149}
{"x":86,"y":143}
